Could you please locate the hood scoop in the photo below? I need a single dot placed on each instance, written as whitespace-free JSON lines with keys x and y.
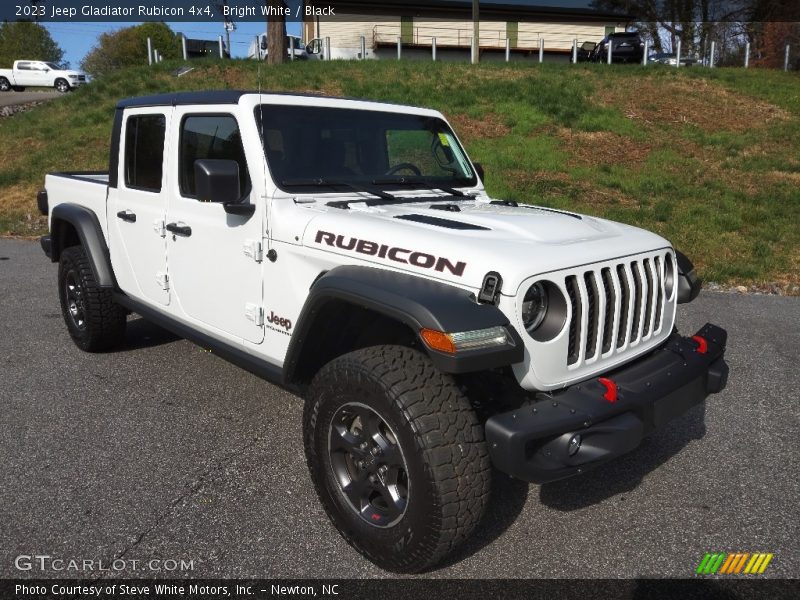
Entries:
{"x":439,"y":222}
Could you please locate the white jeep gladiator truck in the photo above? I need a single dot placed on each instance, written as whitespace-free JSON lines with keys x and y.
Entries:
{"x":37,"y":73}
{"x":347,"y":251}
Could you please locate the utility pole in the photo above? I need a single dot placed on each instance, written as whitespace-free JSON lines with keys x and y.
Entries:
{"x":228,"y":24}
{"x":476,"y":28}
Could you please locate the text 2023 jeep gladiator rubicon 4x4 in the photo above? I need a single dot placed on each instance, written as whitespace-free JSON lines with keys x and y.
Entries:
{"x":347,"y":250}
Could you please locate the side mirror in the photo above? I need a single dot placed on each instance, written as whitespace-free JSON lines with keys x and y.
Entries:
{"x":218,"y":181}
{"x":479,"y":170}
{"x":263,"y":44}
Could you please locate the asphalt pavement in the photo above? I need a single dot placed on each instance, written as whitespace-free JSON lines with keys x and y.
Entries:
{"x":161,"y":451}
{"x":13,"y":98}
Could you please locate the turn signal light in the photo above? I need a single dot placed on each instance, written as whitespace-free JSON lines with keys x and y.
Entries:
{"x":465,"y":340}
{"x":438,"y":340}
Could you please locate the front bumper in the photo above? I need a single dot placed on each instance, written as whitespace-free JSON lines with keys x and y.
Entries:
{"x":532,"y":443}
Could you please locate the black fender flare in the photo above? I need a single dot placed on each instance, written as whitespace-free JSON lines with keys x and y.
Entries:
{"x":90,"y":233}
{"x":689,"y":283}
{"x":413,"y":301}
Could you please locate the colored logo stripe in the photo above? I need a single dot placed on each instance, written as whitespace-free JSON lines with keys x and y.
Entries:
{"x":734,"y":563}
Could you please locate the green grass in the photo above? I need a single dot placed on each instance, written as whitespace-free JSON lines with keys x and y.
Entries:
{"x":710,"y":159}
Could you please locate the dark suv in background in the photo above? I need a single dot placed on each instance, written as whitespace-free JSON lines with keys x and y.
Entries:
{"x":626,"y":47}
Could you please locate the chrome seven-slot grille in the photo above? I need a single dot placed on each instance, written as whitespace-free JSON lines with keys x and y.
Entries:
{"x":615,"y":307}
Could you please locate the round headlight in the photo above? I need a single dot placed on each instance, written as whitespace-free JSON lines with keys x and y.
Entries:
{"x":534,"y":306}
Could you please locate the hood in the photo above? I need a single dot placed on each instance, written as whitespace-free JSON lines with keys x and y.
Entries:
{"x":461,"y":241}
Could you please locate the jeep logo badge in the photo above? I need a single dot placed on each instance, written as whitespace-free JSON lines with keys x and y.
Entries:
{"x":279,"y":321}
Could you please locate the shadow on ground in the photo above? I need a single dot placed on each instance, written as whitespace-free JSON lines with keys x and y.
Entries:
{"x":141,"y":333}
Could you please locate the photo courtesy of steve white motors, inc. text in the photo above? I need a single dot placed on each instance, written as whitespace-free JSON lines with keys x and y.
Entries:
{"x":67,"y":10}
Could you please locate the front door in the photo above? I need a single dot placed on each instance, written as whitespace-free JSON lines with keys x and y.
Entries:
{"x":136,"y":207}
{"x":214,"y":257}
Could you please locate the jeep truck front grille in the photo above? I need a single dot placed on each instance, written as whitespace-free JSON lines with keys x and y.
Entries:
{"x":615,"y":307}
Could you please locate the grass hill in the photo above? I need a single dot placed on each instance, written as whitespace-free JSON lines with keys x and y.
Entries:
{"x":708,"y":158}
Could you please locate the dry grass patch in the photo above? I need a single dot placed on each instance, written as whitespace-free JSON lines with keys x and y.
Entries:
{"x":20,"y":215}
{"x":692,"y":102}
{"x":587,"y":148}
{"x":469,"y":128}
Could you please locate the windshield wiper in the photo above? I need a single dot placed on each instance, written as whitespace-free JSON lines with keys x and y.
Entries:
{"x":324,"y":181}
{"x":420,"y":182}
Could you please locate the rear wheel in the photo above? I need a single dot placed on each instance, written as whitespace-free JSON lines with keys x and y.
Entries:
{"x":5,"y":84}
{"x":397,"y":456}
{"x":95,"y":322}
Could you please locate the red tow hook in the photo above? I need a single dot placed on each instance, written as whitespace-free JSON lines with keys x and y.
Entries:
{"x":702,"y":344}
{"x":611,"y":389}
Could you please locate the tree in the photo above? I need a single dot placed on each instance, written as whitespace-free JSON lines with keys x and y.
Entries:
{"x":128,"y":47}
{"x":25,"y":40}
{"x":276,"y":32}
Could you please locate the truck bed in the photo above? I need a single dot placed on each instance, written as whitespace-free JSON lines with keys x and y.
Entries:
{"x":85,"y":188}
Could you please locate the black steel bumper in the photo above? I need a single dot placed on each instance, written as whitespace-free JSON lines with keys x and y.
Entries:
{"x":533,"y":443}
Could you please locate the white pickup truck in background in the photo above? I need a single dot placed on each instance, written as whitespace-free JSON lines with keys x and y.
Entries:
{"x":37,"y":73}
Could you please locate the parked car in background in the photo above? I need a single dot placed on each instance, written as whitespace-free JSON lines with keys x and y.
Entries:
{"x":626,"y":47}
{"x":670,"y":58}
{"x":585,"y":51}
{"x":262,"y":50}
{"x":37,"y":73}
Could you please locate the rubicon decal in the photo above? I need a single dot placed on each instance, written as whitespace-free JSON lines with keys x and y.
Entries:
{"x":401,"y":255}
{"x":734,"y":563}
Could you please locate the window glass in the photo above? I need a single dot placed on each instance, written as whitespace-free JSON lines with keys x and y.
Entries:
{"x":210,"y":136}
{"x":311,"y":142}
{"x":23,"y":66}
{"x":144,"y":152}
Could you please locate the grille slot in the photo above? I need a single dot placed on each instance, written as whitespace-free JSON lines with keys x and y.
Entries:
{"x":575,"y":323}
{"x":611,"y":302}
{"x":619,"y":305}
{"x":591,"y":326}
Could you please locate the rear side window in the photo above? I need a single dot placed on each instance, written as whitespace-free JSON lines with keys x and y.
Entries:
{"x":210,"y":136}
{"x":144,"y":152}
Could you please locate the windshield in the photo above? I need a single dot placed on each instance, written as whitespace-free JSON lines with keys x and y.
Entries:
{"x":309,"y":146}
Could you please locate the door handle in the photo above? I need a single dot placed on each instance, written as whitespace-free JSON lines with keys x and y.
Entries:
{"x":179,"y":229}
{"x":127,"y":215}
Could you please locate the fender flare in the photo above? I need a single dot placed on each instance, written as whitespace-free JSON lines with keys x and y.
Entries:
{"x":90,"y":233}
{"x":413,"y":301}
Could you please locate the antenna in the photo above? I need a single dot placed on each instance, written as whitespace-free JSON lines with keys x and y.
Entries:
{"x":264,"y":152}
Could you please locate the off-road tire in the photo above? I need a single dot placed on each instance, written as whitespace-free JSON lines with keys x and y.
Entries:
{"x":442,"y":442}
{"x":102,"y":323}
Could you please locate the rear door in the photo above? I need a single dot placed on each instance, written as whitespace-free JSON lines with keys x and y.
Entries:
{"x":214,"y":259}
{"x":137,"y":205}
{"x":24,"y":74}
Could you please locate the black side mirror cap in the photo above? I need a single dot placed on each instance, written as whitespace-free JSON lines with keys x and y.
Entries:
{"x":689,"y":284}
{"x":479,"y":170}
{"x":217,"y":180}
{"x":239,"y":209}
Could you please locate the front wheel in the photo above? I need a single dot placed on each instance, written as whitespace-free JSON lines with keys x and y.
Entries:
{"x":62,"y":85}
{"x":397,"y":456}
{"x":95,"y":322}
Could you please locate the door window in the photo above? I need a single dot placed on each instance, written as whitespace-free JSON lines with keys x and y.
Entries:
{"x":210,"y":136}
{"x":144,"y":152}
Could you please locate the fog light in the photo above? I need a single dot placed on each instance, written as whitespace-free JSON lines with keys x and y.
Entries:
{"x":574,"y":444}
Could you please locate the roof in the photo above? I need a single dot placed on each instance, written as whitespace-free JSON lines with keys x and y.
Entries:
{"x":225,"y":97}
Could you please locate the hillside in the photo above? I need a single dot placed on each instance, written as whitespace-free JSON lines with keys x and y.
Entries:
{"x":709,"y":159}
